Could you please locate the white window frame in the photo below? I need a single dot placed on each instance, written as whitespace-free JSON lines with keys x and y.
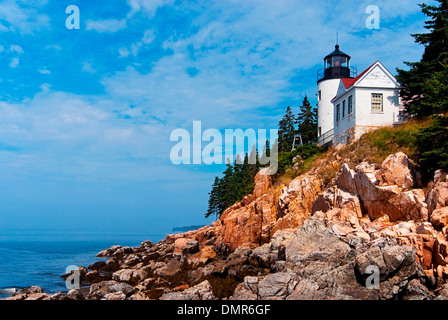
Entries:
{"x":374,"y":103}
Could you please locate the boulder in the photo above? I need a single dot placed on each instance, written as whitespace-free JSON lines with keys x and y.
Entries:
{"x":179,"y":245}
{"x":97,"y":265}
{"x":101,"y":289}
{"x":30,"y":293}
{"x":38,"y":296}
{"x":131,"y":276}
{"x":202,"y":257}
{"x":324,"y":264}
{"x":108,"y":252}
{"x":263,"y":257}
{"x":276,"y":286}
{"x":346,"y":179}
{"x":389,"y":200}
{"x":169,"y":268}
{"x":243,"y":226}
{"x":337,"y":198}
{"x":112,"y":265}
{"x":439,"y":218}
{"x":29,"y":290}
{"x":409,"y":205}
{"x":191,"y":247}
{"x":415,"y":290}
{"x":397,"y":169}
{"x":74,"y":294}
{"x":437,"y":192}
{"x":202,"y":291}
{"x":373,"y":198}
{"x":262,"y":184}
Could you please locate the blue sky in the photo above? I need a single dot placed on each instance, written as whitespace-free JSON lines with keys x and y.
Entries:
{"x":86,"y":115}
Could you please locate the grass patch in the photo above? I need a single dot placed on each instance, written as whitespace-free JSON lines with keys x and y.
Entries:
{"x":375,"y":146}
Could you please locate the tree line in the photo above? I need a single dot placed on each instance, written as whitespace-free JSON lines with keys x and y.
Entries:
{"x":238,"y":178}
{"x":424,"y":89}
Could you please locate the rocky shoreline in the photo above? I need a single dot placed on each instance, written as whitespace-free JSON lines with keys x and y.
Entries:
{"x":302,"y":240}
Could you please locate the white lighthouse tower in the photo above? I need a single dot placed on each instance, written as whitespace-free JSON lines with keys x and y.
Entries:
{"x":336,"y":67}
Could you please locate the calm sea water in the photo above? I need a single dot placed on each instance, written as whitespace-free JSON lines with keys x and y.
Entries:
{"x":28,"y":259}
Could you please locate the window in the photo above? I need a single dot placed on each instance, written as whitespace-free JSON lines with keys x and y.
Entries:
{"x":343,"y":109}
{"x":338,"y":112}
{"x":320,"y":95}
{"x":377,"y":102}
{"x":336,"y":61}
{"x":350,"y":105}
{"x":320,"y":131}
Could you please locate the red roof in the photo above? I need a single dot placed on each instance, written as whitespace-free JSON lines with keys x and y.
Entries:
{"x":348,"y":82}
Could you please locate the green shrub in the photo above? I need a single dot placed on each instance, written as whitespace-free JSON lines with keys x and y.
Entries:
{"x":432,"y":143}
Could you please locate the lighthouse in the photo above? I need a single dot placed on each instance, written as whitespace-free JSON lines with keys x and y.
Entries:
{"x":336,"y":67}
{"x":350,"y":105}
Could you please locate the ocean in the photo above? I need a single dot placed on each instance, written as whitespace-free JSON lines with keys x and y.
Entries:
{"x":40,"y":258}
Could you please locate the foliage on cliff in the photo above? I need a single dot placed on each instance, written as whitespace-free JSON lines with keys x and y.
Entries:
{"x":304,"y":123}
{"x":238,"y":178}
{"x":432,"y":143}
{"x":236,"y":182}
{"x":425,"y":84}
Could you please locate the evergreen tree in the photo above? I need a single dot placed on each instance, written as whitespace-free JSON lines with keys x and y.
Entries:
{"x":238,"y":179}
{"x":213,"y":200}
{"x":432,"y":143}
{"x":423,"y":77}
{"x":307,"y":121}
{"x":227,"y":194}
{"x":286,"y":131}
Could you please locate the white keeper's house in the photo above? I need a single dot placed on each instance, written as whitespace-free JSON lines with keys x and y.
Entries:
{"x":350,"y":105}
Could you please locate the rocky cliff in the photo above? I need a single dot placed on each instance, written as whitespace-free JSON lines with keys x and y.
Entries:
{"x":301,"y":240}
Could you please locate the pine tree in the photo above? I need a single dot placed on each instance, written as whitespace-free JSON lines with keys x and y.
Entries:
{"x":307,"y":121}
{"x":419,"y":82}
{"x":432,"y":143}
{"x":286,"y":131}
{"x":227,"y":194}
{"x":266,"y":153}
{"x":247,"y":181}
{"x":238,"y":179}
{"x":213,"y":200}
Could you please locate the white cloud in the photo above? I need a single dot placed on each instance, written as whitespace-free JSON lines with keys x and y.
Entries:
{"x":124,"y":52}
{"x":14,"y":62}
{"x":76,"y":135}
{"x":88,"y":67}
{"x":44,"y":71}
{"x":147,"y":39}
{"x":148,"y":7}
{"x":23,"y":19}
{"x":16,"y":48}
{"x":54,"y":47}
{"x":106,"y":26}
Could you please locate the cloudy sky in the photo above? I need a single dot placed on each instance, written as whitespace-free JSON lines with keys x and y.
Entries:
{"x":86,"y":114}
